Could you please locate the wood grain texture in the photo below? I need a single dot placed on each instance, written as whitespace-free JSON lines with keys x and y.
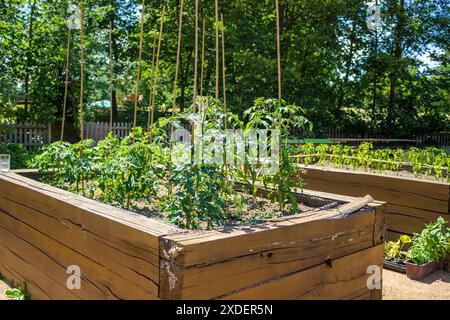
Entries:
{"x":345,"y":279}
{"x":43,"y":230}
{"x":122,"y":255}
{"x":193,"y":268}
{"x":410,"y":202}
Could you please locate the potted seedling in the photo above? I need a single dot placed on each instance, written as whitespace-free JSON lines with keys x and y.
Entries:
{"x":429,"y":250}
{"x":395,"y":255}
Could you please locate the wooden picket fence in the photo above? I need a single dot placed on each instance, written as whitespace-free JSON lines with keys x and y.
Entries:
{"x":27,"y":134}
{"x":439,"y":139}
{"x":99,"y":130}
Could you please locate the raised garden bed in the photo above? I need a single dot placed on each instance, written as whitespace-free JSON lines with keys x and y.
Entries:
{"x":322,"y":254}
{"x":410,"y":202}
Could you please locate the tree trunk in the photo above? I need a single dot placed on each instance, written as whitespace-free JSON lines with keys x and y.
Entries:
{"x":184,"y":79}
{"x":348,"y":65}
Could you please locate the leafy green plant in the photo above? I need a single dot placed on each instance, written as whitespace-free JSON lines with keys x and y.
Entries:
{"x":272,"y":114}
{"x":128,"y":171}
{"x":198,"y":197}
{"x":432,"y":244}
{"x":17,"y":294}
{"x":393,"y":250}
{"x":71,"y":165}
{"x":428,"y":161}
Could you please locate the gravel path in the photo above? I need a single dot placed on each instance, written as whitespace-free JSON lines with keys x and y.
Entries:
{"x":397,"y":286}
{"x":3,"y":287}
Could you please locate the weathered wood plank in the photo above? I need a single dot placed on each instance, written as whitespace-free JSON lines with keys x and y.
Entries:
{"x":410,"y":220}
{"x":346,"y":276}
{"x":422,"y":194}
{"x":411,"y":203}
{"x":191,"y":264}
{"x":51,"y":258}
{"x":117,"y":251}
{"x":136,"y":264}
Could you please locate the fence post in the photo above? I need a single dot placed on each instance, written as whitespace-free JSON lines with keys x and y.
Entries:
{"x":49,"y":133}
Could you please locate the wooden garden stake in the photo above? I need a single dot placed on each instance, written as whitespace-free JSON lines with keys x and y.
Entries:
{"x":180,"y":28}
{"x":278,"y":51}
{"x":196,"y":56}
{"x":217,"y":47}
{"x":224,"y":72}
{"x":66,"y":84}
{"x":81,"y":70}
{"x":110,"y":78}
{"x":155,"y":75}
{"x":136,"y":98}
{"x":203,"y":57}
{"x":151,"y":80}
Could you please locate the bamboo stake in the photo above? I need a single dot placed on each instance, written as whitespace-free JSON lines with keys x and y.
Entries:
{"x":66,"y":83}
{"x":180,"y":25}
{"x":151,"y":79}
{"x":196,"y":56}
{"x":278,"y":51}
{"x":203,"y":58}
{"x":81,"y":70}
{"x":155,"y":76}
{"x":224,"y":72}
{"x":136,"y":98}
{"x":110,"y":78}
{"x":217,"y":47}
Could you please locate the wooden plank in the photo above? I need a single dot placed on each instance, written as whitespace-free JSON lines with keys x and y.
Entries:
{"x":138,"y":265}
{"x":22,"y":272}
{"x":411,"y":202}
{"x":50,"y":259}
{"x":422,"y":194}
{"x":78,"y":215}
{"x":410,"y":220}
{"x":190,"y":264}
{"x":41,"y":197}
{"x":380,"y":223}
{"x":346,"y":276}
{"x":126,"y":244}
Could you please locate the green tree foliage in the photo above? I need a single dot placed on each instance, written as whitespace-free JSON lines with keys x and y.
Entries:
{"x":340,"y":72}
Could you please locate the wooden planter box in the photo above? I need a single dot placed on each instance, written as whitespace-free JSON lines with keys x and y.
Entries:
{"x":410,"y":202}
{"x":121,"y":255}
